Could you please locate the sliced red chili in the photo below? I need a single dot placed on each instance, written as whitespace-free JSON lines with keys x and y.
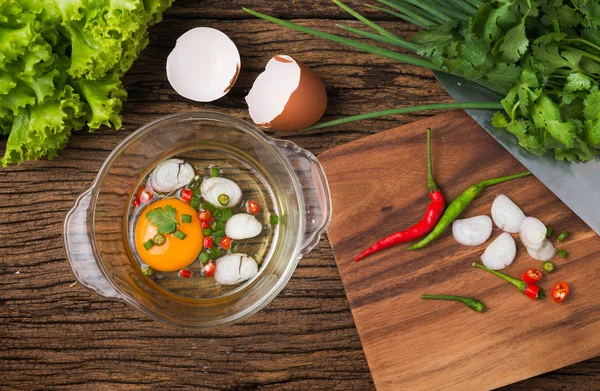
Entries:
{"x":560,"y":292}
{"x":205,"y":216}
{"x":205,"y":224}
{"x":225,"y":242}
{"x":252,"y":207}
{"x":532,"y":291}
{"x":136,"y":202}
{"x":185,"y":273}
{"x":208,"y":242}
{"x":209,"y":269}
{"x":186,"y":195}
{"x":531,"y":276}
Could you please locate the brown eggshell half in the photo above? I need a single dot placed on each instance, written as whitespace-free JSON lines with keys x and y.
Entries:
{"x":306,"y":105}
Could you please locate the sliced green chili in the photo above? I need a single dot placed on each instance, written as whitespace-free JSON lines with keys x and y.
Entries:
{"x":459,"y":204}
{"x":214,"y":171}
{"x":179,"y":235}
{"x":147,"y":271}
{"x":159,"y":239}
{"x":562,"y":236}
{"x":148,"y":244}
{"x":548,"y":267}
{"x":470,"y":302}
{"x":223,"y":199}
{"x":562,"y":253}
{"x":186,"y":219}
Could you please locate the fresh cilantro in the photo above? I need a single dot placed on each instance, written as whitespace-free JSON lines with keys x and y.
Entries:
{"x":164,"y":219}
{"x":515,"y":43}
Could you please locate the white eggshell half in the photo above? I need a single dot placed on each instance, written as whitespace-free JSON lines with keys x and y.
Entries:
{"x":204,"y":64}
{"x":243,"y":226}
{"x":234,"y":269}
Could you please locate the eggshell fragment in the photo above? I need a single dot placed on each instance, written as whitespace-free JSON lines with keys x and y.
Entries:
{"x":204,"y":64}
{"x":211,"y":188}
{"x":234,"y":269}
{"x":287,"y":96}
{"x":243,"y":226}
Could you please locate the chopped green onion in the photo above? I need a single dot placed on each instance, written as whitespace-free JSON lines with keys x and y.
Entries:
{"x":179,"y":235}
{"x":159,"y":239}
{"x":207,"y":206}
{"x":226,"y":214}
{"x":217,"y":225}
{"x":214,"y":171}
{"x":549,"y":232}
{"x":207,"y":232}
{"x":148,"y":244}
{"x":274,"y":219}
{"x":223,"y":199}
{"x":562,"y":236}
{"x":204,"y":257}
{"x":147,"y":271}
{"x":217,"y":235}
{"x":214,"y":252}
{"x":194,"y":184}
{"x":562,"y":253}
{"x":217,"y":214}
{"x":195,"y":202}
{"x":548,"y":267}
{"x":186,"y":219}
{"x":235,"y":246}
{"x":196,"y":191}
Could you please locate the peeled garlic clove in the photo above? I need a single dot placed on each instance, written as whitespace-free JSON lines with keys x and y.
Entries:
{"x":212,"y":188}
{"x":243,"y":226}
{"x":533,"y":233}
{"x":234,"y":269}
{"x":500,"y":253}
{"x":507,"y":215}
{"x":204,"y":64}
{"x":472,"y":231}
{"x":171,"y":175}
{"x":545,"y":253}
{"x":287,"y":96}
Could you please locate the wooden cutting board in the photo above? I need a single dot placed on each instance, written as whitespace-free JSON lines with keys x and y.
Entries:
{"x":378,"y":186}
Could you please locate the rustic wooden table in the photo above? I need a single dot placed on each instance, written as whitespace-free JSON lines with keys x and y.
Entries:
{"x":57,"y":336}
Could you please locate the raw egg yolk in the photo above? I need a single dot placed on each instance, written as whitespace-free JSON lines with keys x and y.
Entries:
{"x":174,"y":254}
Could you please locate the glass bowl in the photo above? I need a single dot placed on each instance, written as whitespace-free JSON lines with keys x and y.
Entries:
{"x":96,"y":234}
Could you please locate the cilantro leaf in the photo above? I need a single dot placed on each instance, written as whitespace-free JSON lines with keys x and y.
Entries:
{"x":591,"y":11}
{"x":504,"y":75}
{"x":515,"y":43}
{"x":564,"y":132}
{"x":499,"y":120}
{"x":591,"y":104}
{"x":164,"y":219}
{"x":578,"y":81}
{"x":591,"y":130}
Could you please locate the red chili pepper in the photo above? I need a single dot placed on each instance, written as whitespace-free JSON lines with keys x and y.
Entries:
{"x":205,"y":224}
{"x":560,"y":292}
{"x":225,"y":242}
{"x":205,"y":216}
{"x":185,"y":273}
{"x":430,"y":219}
{"x":531,"y":276}
{"x":532,"y":291}
{"x":208,"y":242}
{"x":252,"y":207}
{"x":136,"y":202}
{"x":186,"y":195}
{"x":209,"y":269}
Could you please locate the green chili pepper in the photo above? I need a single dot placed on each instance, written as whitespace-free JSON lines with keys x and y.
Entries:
{"x":562,"y":253}
{"x":548,"y":267}
{"x":147,"y":271}
{"x":223,"y":199}
{"x":459,"y":204}
{"x":562,"y":236}
{"x":549,"y":232}
{"x":470,"y":302}
{"x":159,"y":239}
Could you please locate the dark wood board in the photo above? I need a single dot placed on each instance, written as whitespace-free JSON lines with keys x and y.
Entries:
{"x":378,"y":185}
{"x":54,"y":336}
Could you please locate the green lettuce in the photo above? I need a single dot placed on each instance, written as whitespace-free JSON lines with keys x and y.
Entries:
{"x":60,"y":67}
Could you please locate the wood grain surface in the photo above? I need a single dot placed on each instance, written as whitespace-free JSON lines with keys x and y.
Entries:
{"x":57,"y":336}
{"x":416,"y":345}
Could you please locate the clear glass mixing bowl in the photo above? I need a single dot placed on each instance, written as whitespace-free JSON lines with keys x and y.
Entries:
{"x":95,"y":229}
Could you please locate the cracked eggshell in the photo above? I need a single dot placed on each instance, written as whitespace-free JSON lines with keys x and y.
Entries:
{"x":204,"y":64}
{"x":287,"y":96}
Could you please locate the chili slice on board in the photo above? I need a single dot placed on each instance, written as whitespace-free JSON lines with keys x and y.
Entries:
{"x":427,"y":223}
{"x":560,"y":292}
{"x":531,"y":276}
